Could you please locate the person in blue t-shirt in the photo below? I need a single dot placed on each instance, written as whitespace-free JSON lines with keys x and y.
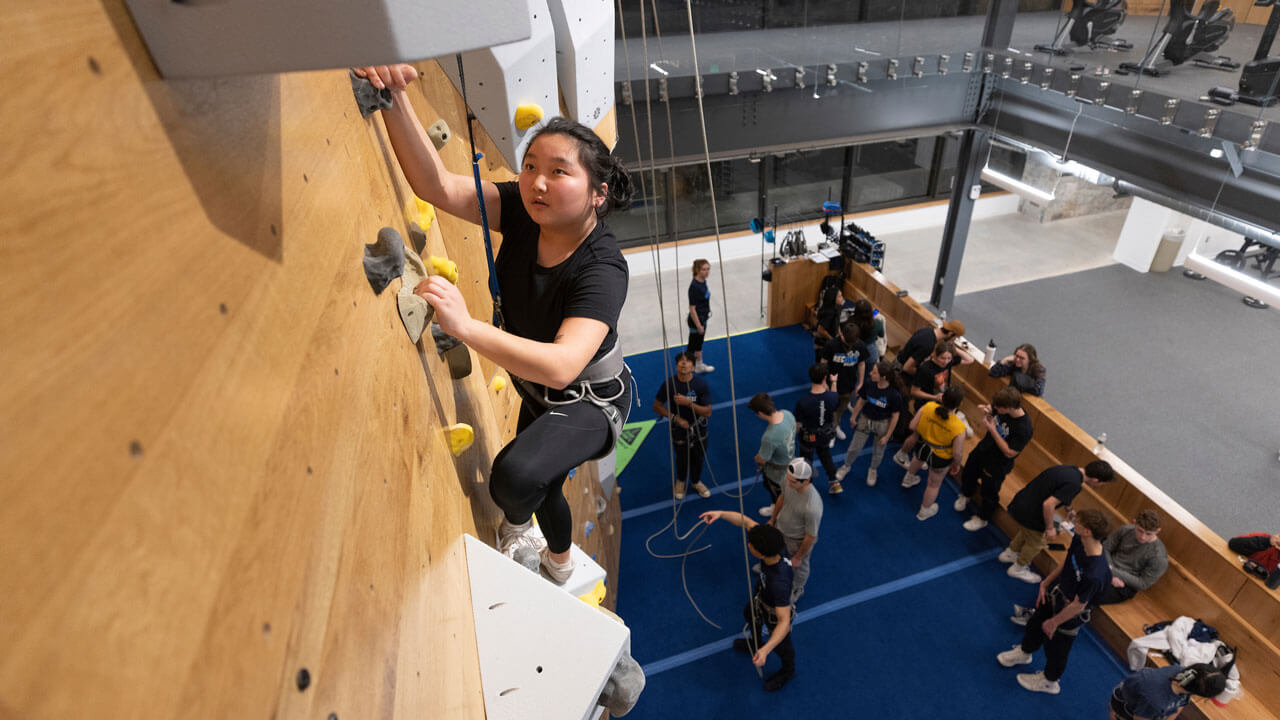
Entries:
{"x":685,"y":398}
{"x":846,"y":359}
{"x":1161,"y":693}
{"x":1063,"y":605}
{"x":699,"y":313}
{"x":880,"y":401}
{"x":816,"y":423}
{"x":771,"y":601}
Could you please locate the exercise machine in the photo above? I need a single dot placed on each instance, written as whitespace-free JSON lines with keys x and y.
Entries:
{"x":1090,"y":24}
{"x":1188,"y":37}
{"x":1261,"y":75}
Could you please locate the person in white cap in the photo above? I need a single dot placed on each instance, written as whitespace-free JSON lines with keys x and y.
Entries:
{"x":797,"y":513}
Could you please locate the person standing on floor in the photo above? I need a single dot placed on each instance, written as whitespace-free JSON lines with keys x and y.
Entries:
{"x":1160,"y":693}
{"x":797,"y":513}
{"x":941,"y":433}
{"x":1033,"y":508}
{"x":1064,"y":604}
{"x":932,"y":378}
{"x":770,"y":603}
{"x":685,"y":399}
{"x":816,"y":423}
{"x":563,"y":281}
{"x":1008,"y":432}
{"x":874,"y":415}
{"x":699,"y":313}
{"x":922,"y":343}
{"x":1024,"y":370}
{"x":846,"y":359}
{"x":777,"y":446}
{"x":871,"y":324}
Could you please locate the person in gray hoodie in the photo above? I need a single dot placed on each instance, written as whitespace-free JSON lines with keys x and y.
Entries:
{"x":1137,"y":556}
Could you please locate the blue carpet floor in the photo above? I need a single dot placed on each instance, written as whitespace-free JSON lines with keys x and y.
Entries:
{"x":900,"y":618}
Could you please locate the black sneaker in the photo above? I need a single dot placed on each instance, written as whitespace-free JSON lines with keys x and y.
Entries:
{"x":774,"y":682}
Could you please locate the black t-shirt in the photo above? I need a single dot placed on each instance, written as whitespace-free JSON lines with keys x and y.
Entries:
{"x":843,"y":361}
{"x":879,"y":404}
{"x":932,"y":378}
{"x":774,"y":586}
{"x":696,"y":390}
{"x":1083,"y":576}
{"x":1015,"y":431}
{"x":591,"y":283}
{"x":816,"y":414}
{"x":1060,"y":481}
{"x":919,"y":346}
{"x":700,"y":300}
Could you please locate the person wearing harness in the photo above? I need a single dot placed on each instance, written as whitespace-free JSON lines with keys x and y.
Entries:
{"x":875,"y":414}
{"x":932,"y":377}
{"x":1065,"y":602}
{"x":846,"y":359}
{"x":1008,"y":432}
{"x":699,"y":313}
{"x":685,"y":398}
{"x":562,"y":284}
{"x":816,"y":424}
{"x":1160,"y":693}
{"x":770,"y":603}
{"x":942,"y":435}
{"x":777,"y":446}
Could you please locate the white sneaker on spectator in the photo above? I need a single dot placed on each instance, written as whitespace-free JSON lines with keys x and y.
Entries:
{"x":961,"y":503}
{"x":1007,"y":555}
{"x":1023,"y":573}
{"x":902,"y":458}
{"x":704,"y":368}
{"x":1014,"y":656}
{"x":701,"y":490}
{"x":1021,"y":615}
{"x":679,"y":493}
{"x":974,"y":524}
{"x":1036,"y":682}
{"x":840,"y":433}
{"x":910,"y":480}
{"x":766,"y":511}
{"x":841,"y":472}
{"x":871,"y":478}
{"x":927,"y":512}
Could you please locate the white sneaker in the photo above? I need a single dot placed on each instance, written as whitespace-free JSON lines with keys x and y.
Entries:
{"x":910,"y":480}
{"x":1007,"y":556}
{"x":961,"y":503}
{"x":840,"y":433}
{"x":871,"y":478}
{"x":974,"y":524}
{"x":704,"y":368}
{"x":679,"y":490}
{"x":523,"y":543}
{"x":1036,"y":682}
{"x":766,"y":511}
{"x":841,"y":472}
{"x":1014,"y":656}
{"x":1023,"y":573}
{"x":701,"y":490}
{"x":902,"y":458}
{"x":927,"y":512}
{"x":1021,"y":615}
{"x":559,"y":573}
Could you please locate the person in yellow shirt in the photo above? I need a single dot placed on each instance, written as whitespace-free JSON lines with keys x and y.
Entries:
{"x":941,"y":432}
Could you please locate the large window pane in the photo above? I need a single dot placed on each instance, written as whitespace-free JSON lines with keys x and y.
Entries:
{"x":631,"y":226}
{"x":801,"y":181}
{"x":737,"y":184}
{"x":889,"y":172}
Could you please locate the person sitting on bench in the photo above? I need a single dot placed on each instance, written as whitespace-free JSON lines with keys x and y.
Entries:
{"x":1262,"y":549}
{"x":1138,"y":558}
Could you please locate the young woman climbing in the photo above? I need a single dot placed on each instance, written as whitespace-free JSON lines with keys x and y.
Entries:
{"x":562,"y":281}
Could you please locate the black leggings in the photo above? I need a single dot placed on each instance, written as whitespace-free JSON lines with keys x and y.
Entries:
{"x":823,"y":451}
{"x":1057,"y":647}
{"x":529,"y":473}
{"x":980,"y":474}
{"x":689,"y":450}
{"x":786,"y":650}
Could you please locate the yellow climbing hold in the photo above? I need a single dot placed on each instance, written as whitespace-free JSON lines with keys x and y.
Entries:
{"x":445,"y":268}
{"x":460,"y":438}
{"x":595,"y":596}
{"x":426,"y":213}
{"x":498,"y":383}
{"x":527,"y":116}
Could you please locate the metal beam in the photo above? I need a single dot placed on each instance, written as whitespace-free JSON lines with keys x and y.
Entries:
{"x":959,"y":212}
{"x":999,"y":27}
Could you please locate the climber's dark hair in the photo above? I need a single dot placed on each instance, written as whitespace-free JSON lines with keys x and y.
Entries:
{"x":602,"y":166}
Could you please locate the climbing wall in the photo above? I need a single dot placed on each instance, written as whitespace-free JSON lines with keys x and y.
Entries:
{"x":225,"y":489}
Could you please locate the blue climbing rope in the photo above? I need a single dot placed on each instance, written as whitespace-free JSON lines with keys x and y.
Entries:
{"x":494,"y":290}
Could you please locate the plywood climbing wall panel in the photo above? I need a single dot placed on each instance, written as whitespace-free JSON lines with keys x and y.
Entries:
{"x":223,"y":461}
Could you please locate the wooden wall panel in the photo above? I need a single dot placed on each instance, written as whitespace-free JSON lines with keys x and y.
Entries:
{"x":223,"y":460}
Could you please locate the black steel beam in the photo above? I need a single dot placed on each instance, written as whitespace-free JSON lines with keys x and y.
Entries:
{"x":959,"y":213}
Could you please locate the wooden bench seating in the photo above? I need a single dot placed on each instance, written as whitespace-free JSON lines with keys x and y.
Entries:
{"x":1204,"y":579}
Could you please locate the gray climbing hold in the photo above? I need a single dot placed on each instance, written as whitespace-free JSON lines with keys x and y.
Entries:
{"x":622,"y":689}
{"x":415,"y":312}
{"x":369,"y":98}
{"x":453,"y":352}
{"x":417,"y":237}
{"x":384,"y":259}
